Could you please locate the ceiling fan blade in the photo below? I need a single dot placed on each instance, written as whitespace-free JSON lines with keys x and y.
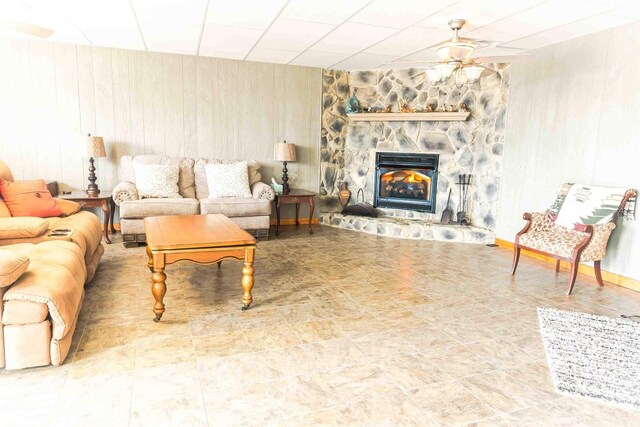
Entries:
{"x":505,"y":58}
{"x":410,"y":64}
{"x":30,"y":29}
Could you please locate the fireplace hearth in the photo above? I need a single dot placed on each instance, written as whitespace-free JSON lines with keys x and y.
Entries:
{"x":406,"y":181}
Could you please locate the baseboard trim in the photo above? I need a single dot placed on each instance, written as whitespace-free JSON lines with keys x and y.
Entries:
{"x":292,"y":221}
{"x":607,"y":276}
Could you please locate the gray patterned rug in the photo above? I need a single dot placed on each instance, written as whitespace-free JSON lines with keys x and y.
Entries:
{"x":593,"y":356}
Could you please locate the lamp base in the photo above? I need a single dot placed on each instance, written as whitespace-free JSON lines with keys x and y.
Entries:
{"x":92,"y":188}
{"x":285,"y":180}
{"x":93,"y":191}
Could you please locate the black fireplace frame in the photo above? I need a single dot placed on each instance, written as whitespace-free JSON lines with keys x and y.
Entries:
{"x":406,"y":160}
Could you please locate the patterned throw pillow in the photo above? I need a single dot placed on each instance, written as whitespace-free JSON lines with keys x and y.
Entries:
{"x":230,"y":180}
{"x":157,"y":181}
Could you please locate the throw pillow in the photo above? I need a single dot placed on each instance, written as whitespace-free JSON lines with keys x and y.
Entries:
{"x":12,"y":266}
{"x":4,"y":210}
{"x":228,"y":180}
{"x":29,"y":198}
{"x":22,"y":227}
{"x":68,"y":207}
{"x":157,"y":181}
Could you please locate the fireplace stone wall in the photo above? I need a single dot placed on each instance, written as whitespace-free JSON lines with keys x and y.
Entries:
{"x":474,"y":146}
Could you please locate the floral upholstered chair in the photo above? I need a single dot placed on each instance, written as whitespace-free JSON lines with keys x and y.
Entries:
{"x":576,"y":228}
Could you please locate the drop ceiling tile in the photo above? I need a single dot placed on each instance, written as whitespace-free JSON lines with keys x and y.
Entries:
{"x":398,"y":13}
{"x":570,"y":31}
{"x":289,"y":34}
{"x":631,"y":11}
{"x":218,"y":39}
{"x":111,"y":24}
{"x":171,"y":25}
{"x":352,"y":38}
{"x":272,"y":55}
{"x":244,"y":13}
{"x":477,"y":13}
{"x":537,"y":19}
{"x":363,"y":61}
{"x":409,"y":41}
{"x":323,"y":11}
{"x":316,"y":58}
{"x":423,"y":55}
{"x":42,"y":13}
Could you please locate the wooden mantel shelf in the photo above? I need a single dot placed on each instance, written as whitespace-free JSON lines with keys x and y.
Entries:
{"x":408,"y":117}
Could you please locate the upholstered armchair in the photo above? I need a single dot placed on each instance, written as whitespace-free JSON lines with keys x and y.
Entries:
{"x":576,"y":228}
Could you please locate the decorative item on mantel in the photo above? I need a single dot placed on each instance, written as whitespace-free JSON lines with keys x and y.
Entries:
{"x":93,"y":147}
{"x":353,"y":105}
{"x":285,"y":153}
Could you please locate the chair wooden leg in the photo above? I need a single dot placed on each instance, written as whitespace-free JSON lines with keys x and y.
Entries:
{"x":596,"y":267}
{"x":557,"y":266}
{"x":572,"y":275}
{"x":516,"y":258}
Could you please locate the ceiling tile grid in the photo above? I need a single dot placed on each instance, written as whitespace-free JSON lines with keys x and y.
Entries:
{"x":346,"y":34}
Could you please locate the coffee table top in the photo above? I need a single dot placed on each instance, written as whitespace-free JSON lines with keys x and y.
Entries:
{"x":193,"y":232}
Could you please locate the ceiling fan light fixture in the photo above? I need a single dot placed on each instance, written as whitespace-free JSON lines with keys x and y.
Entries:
{"x":473,"y":73}
{"x":445,"y":71}
{"x":433,"y":75}
{"x":458,"y":51}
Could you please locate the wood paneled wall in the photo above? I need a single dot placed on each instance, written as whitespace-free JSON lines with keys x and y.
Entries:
{"x":573,"y":117}
{"x":151,"y":103}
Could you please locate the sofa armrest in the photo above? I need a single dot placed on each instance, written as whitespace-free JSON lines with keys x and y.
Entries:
{"x":260,"y":190}
{"x":124,"y":191}
{"x":22,"y":227}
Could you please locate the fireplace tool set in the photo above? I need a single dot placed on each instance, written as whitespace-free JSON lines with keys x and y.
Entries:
{"x":464,"y":181}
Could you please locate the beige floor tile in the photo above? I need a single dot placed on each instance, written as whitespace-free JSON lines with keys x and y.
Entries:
{"x":502,"y":392}
{"x":151,"y":331}
{"x":303,"y":313}
{"x":594,"y":413}
{"x":222,"y":344}
{"x":178,"y":410}
{"x":459,"y":361}
{"x":286,"y":362}
{"x":450,"y":403}
{"x":319,"y":330}
{"x":303,"y":394}
{"x":413,"y":371}
{"x":213,"y":324}
{"x":427,"y":339}
{"x":106,"y":336}
{"x":251,"y":405}
{"x":334,"y":354}
{"x":269,"y":337}
{"x":260,"y":316}
{"x":165,"y":352}
{"x":399,"y":318}
{"x":500,"y":353}
{"x":108,"y":361}
{"x":335,"y":416}
{"x":360,"y":324}
{"x":382,"y":345}
{"x":361,"y":382}
{"x":465,"y":332}
{"x":388,"y":410}
{"x":230,"y":372}
{"x":435,"y":313}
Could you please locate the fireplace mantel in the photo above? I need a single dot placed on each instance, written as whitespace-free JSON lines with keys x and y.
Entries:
{"x":409,"y":117}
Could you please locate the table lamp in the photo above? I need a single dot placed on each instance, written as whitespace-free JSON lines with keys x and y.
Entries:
{"x":94,"y":147}
{"x":285,"y":153}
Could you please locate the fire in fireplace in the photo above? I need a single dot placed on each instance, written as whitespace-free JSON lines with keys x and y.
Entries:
{"x":406,"y":181}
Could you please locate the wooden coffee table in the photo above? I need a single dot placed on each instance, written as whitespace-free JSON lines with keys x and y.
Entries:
{"x":203,"y":239}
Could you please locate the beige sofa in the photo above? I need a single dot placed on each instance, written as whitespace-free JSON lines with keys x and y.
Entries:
{"x":39,"y":311}
{"x":252,"y":214}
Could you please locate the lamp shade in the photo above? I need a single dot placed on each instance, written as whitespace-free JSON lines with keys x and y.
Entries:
{"x":284,"y":152}
{"x":94,"y":146}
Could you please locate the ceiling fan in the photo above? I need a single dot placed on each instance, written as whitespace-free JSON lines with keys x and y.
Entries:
{"x":456,"y":58}
{"x":29,"y":29}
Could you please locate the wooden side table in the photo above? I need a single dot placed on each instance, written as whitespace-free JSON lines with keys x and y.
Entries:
{"x":103,"y":201}
{"x":295,"y":197}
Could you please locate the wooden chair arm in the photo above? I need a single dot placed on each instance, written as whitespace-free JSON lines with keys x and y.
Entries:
{"x":584,"y":228}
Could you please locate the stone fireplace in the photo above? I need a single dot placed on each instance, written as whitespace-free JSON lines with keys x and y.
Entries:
{"x":406,"y":181}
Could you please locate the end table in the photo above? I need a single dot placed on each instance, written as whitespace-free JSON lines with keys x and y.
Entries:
{"x":295,"y":197}
{"x":103,"y":201}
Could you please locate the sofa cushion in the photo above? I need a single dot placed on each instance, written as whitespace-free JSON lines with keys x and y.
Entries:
{"x":22,"y":227}
{"x":12,"y":266}
{"x":4,"y":210}
{"x":235,"y":206}
{"x":87,"y":231}
{"x":185,"y":179}
{"x":56,"y":277}
{"x":202,"y":189}
{"x":228,"y":180}
{"x":158,"y":207}
{"x":157,"y":181}
{"x":29,"y":198}
{"x":5,"y":172}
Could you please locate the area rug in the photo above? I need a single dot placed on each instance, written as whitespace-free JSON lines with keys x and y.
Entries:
{"x":593,"y":356}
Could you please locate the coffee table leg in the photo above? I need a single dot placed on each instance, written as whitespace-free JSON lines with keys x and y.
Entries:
{"x":158,"y":285}
{"x":150,"y":261}
{"x":247,"y":278}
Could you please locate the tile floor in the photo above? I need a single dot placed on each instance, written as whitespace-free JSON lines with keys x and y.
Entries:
{"x":346,"y":328}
